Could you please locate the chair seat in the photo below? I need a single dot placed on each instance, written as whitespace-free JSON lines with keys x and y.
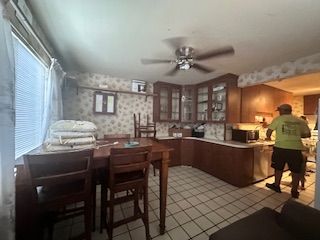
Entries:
{"x":52,"y":194}
{"x":127,"y":177}
{"x":59,"y":182}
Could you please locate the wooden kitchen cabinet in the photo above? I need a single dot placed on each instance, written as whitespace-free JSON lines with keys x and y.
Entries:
{"x":261,"y":100}
{"x":187,"y":152}
{"x":175,"y":155}
{"x":202,"y":113}
{"x":203,"y":158}
{"x":188,"y":104}
{"x":167,"y":104}
{"x":218,"y":100}
{"x":230,"y":164}
{"x":310,"y":103}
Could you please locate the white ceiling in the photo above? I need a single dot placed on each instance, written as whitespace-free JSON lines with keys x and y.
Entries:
{"x":307,"y":84}
{"x":110,"y":37}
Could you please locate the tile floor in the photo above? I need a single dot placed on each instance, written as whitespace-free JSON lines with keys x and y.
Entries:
{"x":198,"y":204}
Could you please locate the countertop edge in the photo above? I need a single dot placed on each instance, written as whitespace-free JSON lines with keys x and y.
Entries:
{"x":220,"y":142}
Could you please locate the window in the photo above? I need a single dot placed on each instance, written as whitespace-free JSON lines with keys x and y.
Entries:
{"x":30,"y":78}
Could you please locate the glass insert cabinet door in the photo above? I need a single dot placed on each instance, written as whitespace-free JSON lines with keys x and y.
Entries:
{"x":175,"y":104}
{"x":218,"y":111}
{"x":187,"y":105}
{"x":202,"y":104}
{"x":164,"y":104}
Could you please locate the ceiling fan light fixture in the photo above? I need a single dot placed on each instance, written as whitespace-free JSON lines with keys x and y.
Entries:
{"x":184,"y":66}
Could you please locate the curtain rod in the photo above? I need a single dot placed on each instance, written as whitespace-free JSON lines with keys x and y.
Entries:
{"x":29,"y":27}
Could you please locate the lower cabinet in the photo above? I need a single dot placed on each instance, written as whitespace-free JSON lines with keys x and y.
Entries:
{"x":187,"y":152}
{"x":231,"y":164}
{"x":175,"y":156}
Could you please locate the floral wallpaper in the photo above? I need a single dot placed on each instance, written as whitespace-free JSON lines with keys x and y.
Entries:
{"x":80,"y":106}
{"x":297,"y":105}
{"x":214,"y":131}
{"x":300,"y":66}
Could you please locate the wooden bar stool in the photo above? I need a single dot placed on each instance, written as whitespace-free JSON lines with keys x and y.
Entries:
{"x":149,"y":130}
{"x":60,"y":181}
{"x":100,"y":175}
{"x":128,"y":171}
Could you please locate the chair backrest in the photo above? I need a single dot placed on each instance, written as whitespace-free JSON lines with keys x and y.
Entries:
{"x":129,"y":160}
{"x":116,"y":136}
{"x":59,"y":169}
{"x":136,"y":125}
{"x":148,"y":130}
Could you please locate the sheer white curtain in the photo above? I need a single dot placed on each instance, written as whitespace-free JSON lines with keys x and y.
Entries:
{"x":53,"y":96}
{"x":7,"y":116}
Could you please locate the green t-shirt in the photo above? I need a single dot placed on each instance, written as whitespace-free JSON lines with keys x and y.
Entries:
{"x":288,"y":131}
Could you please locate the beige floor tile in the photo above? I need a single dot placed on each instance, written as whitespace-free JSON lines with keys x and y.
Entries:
{"x":181,"y":217}
{"x":124,"y":236}
{"x":178,"y":234}
{"x":192,"y":228}
{"x":204,"y":223}
{"x":193,"y":213}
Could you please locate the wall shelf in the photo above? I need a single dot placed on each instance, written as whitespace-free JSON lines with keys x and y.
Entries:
{"x":115,"y":91}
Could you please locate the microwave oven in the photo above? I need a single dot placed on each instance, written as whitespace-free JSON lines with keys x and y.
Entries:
{"x":245,"y":136}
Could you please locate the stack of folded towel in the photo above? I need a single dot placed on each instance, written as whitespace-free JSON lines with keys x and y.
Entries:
{"x":71,"y":135}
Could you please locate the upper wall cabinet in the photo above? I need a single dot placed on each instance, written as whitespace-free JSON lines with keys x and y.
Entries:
{"x":218,"y":100}
{"x":167,"y":105}
{"x":261,"y":100}
{"x":188,"y":104}
{"x":310,"y":104}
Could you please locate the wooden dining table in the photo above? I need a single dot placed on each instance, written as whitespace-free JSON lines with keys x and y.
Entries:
{"x":160,"y":152}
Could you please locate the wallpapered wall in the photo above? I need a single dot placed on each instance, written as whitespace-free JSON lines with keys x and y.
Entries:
{"x":300,"y":66}
{"x":297,"y":105}
{"x":80,"y":107}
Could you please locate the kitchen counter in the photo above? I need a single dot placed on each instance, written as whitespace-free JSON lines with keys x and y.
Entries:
{"x":230,"y":161}
{"x":225,"y":143}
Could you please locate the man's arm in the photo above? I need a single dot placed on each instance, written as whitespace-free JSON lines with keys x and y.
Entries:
{"x":305,"y":131}
{"x":268,"y":134}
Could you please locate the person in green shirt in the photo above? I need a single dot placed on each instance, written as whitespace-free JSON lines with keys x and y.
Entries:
{"x":287,"y":148}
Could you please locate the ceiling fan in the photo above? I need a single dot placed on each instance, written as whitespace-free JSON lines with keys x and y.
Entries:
{"x":186,"y":57}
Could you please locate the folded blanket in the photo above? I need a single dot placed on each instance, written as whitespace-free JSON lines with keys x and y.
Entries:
{"x":72,"y":141}
{"x":61,"y":148}
{"x":73,"y":126}
{"x":71,"y":134}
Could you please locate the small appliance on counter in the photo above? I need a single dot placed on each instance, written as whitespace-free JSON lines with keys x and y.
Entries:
{"x":178,"y":132}
{"x":198,"y":130}
{"x":245,"y":136}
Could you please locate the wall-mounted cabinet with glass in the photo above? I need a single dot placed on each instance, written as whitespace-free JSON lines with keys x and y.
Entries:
{"x":202,"y":103}
{"x":188,"y":104}
{"x":217,"y":100}
{"x":167,"y":104}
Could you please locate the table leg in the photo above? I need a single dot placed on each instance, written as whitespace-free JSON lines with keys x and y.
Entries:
{"x":163,"y":190}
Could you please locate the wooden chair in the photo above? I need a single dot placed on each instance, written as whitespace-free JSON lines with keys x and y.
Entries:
{"x":128,"y":171}
{"x":148,"y":130}
{"x":60,"y":182}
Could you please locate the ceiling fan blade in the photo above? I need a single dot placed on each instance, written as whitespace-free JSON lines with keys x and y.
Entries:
{"x":202,"y":68}
{"x":172,"y":72}
{"x":153,"y":61}
{"x":215,"y":53}
{"x":175,"y":43}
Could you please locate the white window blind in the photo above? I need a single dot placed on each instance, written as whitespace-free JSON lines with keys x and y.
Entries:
{"x":30,"y":76}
